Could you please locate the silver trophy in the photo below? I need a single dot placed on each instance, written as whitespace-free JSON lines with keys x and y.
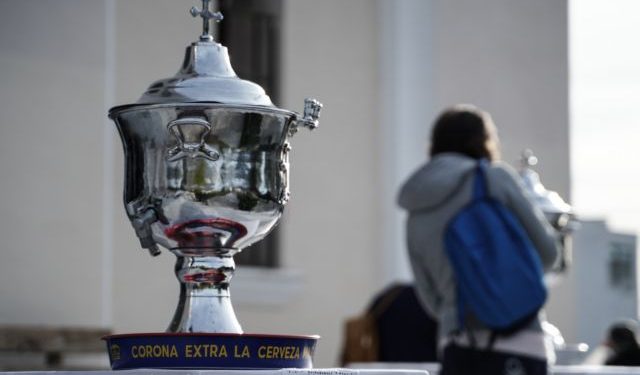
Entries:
{"x":557,"y":212}
{"x":564,"y":221}
{"x":206,"y":174}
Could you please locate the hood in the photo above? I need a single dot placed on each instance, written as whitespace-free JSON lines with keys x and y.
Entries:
{"x":433,"y":183}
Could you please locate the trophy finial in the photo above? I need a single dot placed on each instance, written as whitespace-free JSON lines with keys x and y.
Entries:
{"x":207,"y":15}
{"x":528,"y":159}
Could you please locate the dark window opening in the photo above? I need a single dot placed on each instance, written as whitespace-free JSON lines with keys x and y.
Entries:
{"x":622,"y":266}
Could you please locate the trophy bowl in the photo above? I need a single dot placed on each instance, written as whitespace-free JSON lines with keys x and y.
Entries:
{"x":206,"y":175}
{"x":204,"y":181}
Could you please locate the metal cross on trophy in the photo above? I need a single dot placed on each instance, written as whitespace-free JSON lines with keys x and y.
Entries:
{"x":206,"y":15}
{"x":206,"y":175}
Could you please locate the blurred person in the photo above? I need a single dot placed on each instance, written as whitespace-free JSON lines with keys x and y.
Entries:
{"x":462,"y":136}
{"x":394,"y":328}
{"x":623,"y":345}
{"x":406,"y":332}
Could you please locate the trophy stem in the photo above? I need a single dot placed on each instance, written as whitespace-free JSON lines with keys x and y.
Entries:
{"x":205,"y":302}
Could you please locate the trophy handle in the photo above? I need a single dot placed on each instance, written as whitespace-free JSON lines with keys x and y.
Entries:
{"x":142,"y":226}
{"x":191,"y":135}
{"x":310,"y":116}
{"x":142,"y":217}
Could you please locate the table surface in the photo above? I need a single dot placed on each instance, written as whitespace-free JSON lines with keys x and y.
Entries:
{"x":382,"y":369}
{"x":318,"y":371}
{"x":433,"y":368}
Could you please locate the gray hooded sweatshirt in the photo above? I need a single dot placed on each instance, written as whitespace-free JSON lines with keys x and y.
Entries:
{"x":432,"y":196}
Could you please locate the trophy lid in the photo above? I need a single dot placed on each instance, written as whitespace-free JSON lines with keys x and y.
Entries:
{"x":549,"y":201}
{"x":206,"y":75}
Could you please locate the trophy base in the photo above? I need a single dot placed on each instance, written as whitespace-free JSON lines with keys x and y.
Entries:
{"x":209,"y":351}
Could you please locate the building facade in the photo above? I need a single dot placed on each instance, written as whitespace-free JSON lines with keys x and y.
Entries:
{"x":383,"y":70}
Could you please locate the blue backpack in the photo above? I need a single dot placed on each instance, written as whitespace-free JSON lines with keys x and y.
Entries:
{"x":498,"y":271}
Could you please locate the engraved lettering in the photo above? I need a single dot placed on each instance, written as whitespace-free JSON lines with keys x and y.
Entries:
{"x":245,"y":352}
{"x":280,"y":352}
{"x":205,"y":351}
{"x":154,"y":351}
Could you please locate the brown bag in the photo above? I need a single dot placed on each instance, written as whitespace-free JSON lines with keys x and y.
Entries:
{"x":361,"y":340}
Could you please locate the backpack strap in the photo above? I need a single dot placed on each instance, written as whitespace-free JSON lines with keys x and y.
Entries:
{"x":480,"y":189}
{"x":479,"y":192}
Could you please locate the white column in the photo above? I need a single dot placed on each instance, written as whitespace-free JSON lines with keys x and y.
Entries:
{"x":406,"y":111}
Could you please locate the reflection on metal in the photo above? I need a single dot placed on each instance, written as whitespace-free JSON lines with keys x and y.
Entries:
{"x":191,"y":133}
{"x":559,"y":214}
{"x":206,"y":174}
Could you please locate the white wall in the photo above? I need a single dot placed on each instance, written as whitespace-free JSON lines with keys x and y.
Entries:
{"x":382,"y":69}
{"x":510,"y":58}
{"x":51,"y":115}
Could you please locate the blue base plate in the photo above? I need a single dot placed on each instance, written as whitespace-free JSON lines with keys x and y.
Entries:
{"x":210,"y":350}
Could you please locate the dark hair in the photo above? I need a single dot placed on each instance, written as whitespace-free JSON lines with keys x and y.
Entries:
{"x":466,"y":130}
{"x":622,"y":335}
